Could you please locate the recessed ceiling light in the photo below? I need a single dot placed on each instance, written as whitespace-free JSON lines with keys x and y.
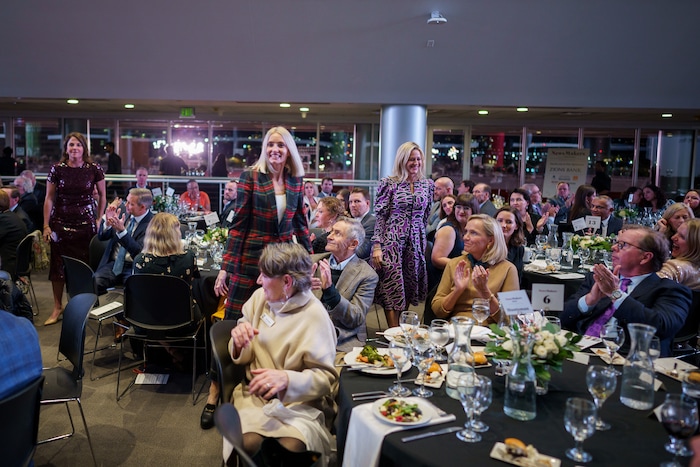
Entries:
{"x":666,"y":115}
{"x":73,"y":101}
{"x":522,"y":109}
{"x":285,"y":105}
{"x":129,"y":106}
{"x":303,"y":109}
{"x":483,"y":112}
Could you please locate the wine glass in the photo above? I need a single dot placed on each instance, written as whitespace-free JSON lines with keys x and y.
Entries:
{"x":481,"y":310}
{"x":540,"y":242}
{"x":607,"y":259}
{"x":679,"y":416}
{"x":584,"y":254}
{"x":423,"y":357}
{"x":440,"y":336}
{"x":654,"y":348}
{"x":407,"y":321}
{"x":601,"y":382}
{"x":469,"y":391}
{"x":399,"y":354}
{"x":580,"y":421}
{"x":613,"y":337}
{"x":483,"y":401}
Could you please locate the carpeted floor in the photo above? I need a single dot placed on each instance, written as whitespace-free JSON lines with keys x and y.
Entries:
{"x":150,"y":425}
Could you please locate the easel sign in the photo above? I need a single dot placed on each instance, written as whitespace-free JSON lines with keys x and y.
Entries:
{"x":548,"y":297}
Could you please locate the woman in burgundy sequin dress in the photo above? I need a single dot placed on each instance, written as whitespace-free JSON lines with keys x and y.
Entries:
{"x":71,"y":218}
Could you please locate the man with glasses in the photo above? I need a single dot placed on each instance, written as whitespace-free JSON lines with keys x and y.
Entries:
{"x":535,"y":197}
{"x":603,"y":207}
{"x":631,"y":292}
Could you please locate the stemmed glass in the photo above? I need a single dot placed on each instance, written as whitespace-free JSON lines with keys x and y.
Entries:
{"x":469,"y":389}
{"x":423,"y":357}
{"x":408,"y":320}
{"x":607,"y":259}
{"x":482,"y":402}
{"x":601,"y":382}
{"x":216,"y":250}
{"x":580,"y":421}
{"x":481,"y":310}
{"x":679,"y":416}
{"x":399,"y":354}
{"x":613,"y":337}
{"x":654,"y":348}
{"x":440,"y":336}
{"x":584,"y":255}
{"x":540,"y":242}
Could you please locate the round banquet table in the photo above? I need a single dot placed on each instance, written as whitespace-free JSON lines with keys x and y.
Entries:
{"x":636,"y":437}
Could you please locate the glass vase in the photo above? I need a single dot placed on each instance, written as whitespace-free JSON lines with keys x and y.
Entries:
{"x":520,"y":398}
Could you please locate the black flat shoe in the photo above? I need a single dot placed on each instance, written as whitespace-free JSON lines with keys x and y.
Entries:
{"x":206,"y":421}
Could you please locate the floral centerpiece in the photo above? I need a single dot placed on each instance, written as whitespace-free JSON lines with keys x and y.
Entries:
{"x":216,"y":234}
{"x":164,"y":203}
{"x":627,"y":213}
{"x":552,"y":347}
{"x":592,"y":242}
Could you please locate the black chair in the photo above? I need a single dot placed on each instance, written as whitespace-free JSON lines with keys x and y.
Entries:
{"x":19,"y":424}
{"x":63,"y":385}
{"x":229,"y":374}
{"x":23,"y":266}
{"x":685,"y":342}
{"x":80,"y":279}
{"x":228,"y":422}
{"x":96,"y":250}
{"x":162,"y":313}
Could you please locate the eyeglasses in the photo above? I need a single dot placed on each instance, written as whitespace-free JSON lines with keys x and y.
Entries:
{"x":621,"y":245}
{"x":460,"y":206}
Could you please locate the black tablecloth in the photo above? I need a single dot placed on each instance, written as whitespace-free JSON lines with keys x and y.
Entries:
{"x":636,"y":437}
{"x":570,"y":285}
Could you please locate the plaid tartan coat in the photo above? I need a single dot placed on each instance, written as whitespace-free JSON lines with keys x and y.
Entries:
{"x":254,"y":226}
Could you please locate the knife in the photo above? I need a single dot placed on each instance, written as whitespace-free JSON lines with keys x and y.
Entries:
{"x":449,"y":429}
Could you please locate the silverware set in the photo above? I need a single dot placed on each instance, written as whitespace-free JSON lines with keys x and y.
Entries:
{"x":369,"y":395}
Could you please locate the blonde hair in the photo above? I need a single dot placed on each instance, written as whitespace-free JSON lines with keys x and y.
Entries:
{"x":498,"y":251}
{"x":294,"y":164}
{"x":671,"y":211}
{"x":402,"y":155}
{"x":163,"y":236}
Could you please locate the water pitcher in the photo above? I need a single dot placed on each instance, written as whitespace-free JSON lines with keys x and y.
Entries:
{"x":637,"y":389}
{"x":552,"y":239}
{"x":461,"y":359}
{"x":567,"y":252}
{"x":520,"y":400}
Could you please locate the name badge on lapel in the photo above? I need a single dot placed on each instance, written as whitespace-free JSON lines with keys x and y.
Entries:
{"x":268,"y":320}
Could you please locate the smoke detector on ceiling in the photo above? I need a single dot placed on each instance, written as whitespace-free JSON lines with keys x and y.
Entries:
{"x":436,"y":18}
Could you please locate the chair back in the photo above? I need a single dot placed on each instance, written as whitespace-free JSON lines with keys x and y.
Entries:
{"x":229,"y":373}
{"x":692,"y":322}
{"x":23,"y":264}
{"x":19,"y":424}
{"x":72,"y":341}
{"x":79,"y":277}
{"x":228,"y":422}
{"x":96,"y":250}
{"x":158,"y":302}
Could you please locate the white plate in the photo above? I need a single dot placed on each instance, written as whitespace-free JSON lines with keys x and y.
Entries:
{"x":426,"y":408}
{"x":499,"y":452}
{"x":351,"y":359}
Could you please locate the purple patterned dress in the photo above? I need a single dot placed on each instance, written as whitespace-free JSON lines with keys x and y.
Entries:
{"x":402,"y":218}
{"x":73,"y":216}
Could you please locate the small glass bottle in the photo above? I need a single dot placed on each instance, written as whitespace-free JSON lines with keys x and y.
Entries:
{"x":521,"y":394}
{"x":552,"y":239}
{"x":461,"y":360}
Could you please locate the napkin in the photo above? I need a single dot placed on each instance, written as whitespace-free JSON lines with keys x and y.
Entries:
{"x":366,"y":434}
{"x":539,"y":265}
{"x":605,"y":356}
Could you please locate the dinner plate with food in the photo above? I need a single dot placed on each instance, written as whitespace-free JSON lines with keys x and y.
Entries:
{"x":514,"y":451}
{"x":373,"y":361}
{"x":404,"y":411}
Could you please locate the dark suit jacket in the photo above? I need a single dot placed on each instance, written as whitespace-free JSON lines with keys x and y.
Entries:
{"x":658,"y":302}
{"x":22,"y":214}
{"x":12,"y":231}
{"x":363,"y":251}
{"x":31,"y":206}
{"x":225,"y":212}
{"x":114,"y":164}
{"x":488,"y":208}
{"x":133,"y":243}
{"x":614,"y":226}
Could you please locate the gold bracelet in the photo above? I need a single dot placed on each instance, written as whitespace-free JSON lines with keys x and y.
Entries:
{"x":47,"y":226}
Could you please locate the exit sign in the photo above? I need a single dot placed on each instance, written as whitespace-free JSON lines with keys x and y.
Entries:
{"x":186,"y":112}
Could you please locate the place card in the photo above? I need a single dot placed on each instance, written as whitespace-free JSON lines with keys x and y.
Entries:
{"x":211,"y":218}
{"x":157,"y":192}
{"x":579,"y":224}
{"x":581,"y":357}
{"x":593,"y":222}
{"x":515,"y":302}
{"x":548,"y":297}
{"x":170,"y":191}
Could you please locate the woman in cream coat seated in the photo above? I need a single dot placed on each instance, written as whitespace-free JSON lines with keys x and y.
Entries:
{"x":286,"y":341}
{"x":684,"y":268}
{"x":480,"y":272}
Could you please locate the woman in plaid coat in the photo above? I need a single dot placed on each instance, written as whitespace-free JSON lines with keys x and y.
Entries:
{"x":269,"y":209}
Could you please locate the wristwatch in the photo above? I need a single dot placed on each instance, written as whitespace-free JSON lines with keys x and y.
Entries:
{"x":616,"y":294}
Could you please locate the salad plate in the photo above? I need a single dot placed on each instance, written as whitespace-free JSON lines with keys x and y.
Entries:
{"x":351,"y":360}
{"x":403,"y":411}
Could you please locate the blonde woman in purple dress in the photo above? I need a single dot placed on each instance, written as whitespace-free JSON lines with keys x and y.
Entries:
{"x":398,"y":255}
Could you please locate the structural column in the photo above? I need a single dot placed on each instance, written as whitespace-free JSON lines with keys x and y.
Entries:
{"x":400,"y":123}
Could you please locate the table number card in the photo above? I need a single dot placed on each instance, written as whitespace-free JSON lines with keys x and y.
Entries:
{"x":548,"y":297}
{"x":157,"y":192}
{"x":515,"y":302}
{"x":579,"y":224}
{"x":170,"y":191}
{"x":211,"y":218}
{"x":593,"y":222}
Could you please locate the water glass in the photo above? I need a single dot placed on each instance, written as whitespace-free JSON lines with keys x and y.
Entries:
{"x":601,"y":383}
{"x":408,"y":320}
{"x":483,"y":402}
{"x":440,"y":336}
{"x":400,"y":354}
{"x":579,"y":421}
{"x":423,"y":357}
{"x":481,"y":310}
{"x":654,"y":348}
{"x":469,"y":390}
{"x":584,"y":254}
{"x":613,"y":337}
{"x":552,"y":257}
{"x":540,"y":242}
{"x":607,"y":259}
